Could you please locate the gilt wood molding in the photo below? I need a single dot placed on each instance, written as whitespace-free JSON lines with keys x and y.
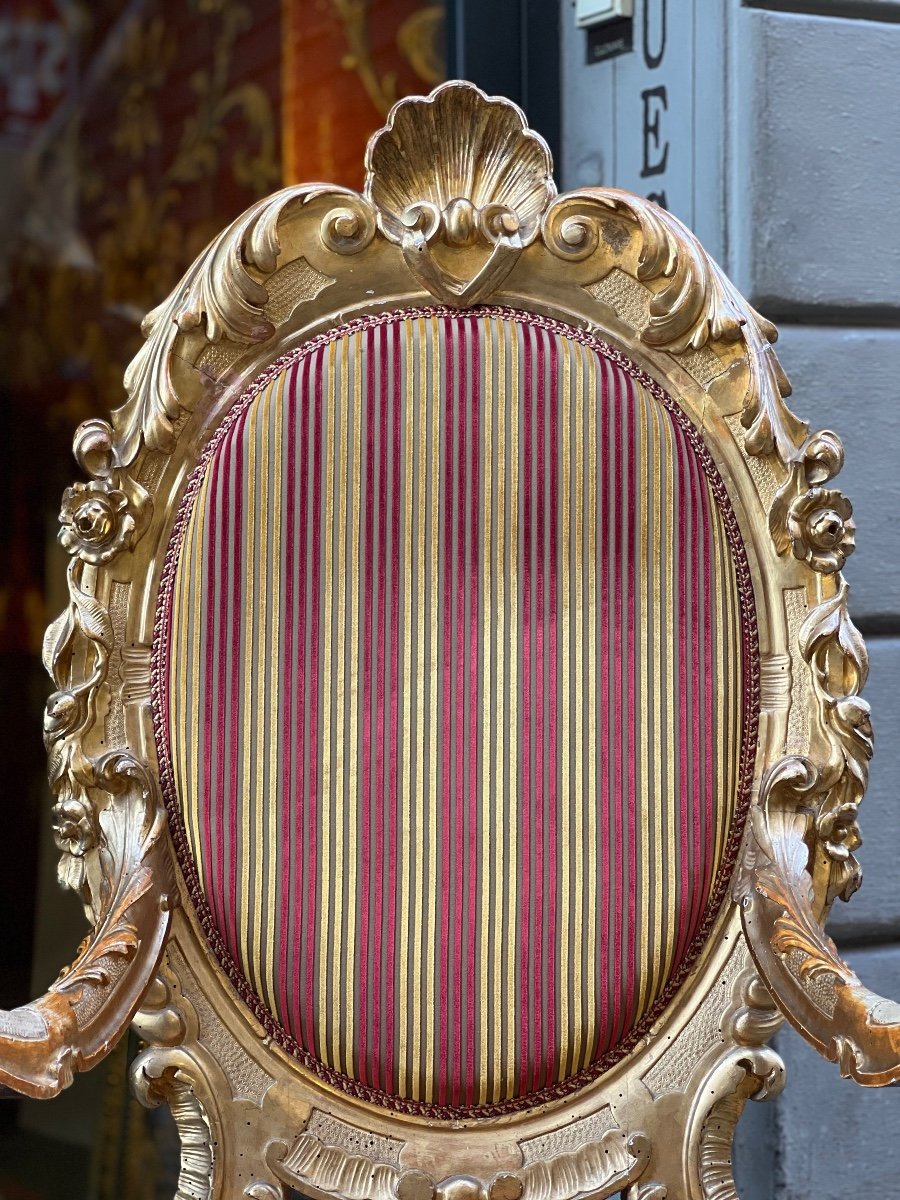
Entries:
{"x":486,"y":226}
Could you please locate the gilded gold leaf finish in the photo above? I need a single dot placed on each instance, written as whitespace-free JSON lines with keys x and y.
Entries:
{"x":775,"y":682}
{"x":808,"y":808}
{"x":745,"y":1069}
{"x":223,"y":293}
{"x":761,"y":470}
{"x":459,"y":207}
{"x":704,"y":364}
{"x":568,"y":1139}
{"x":161,"y":1077}
{"x":490,"y":160}
{"x":673,"y":1071}
{"x":338,"y":1171}
{"x":218,"y":359}
{"x":109,"y":821}
{"x":332,"y":1132}
{"x":796,"y":611}
{"x":491,"y":191}
{"x":599,"y":1167}
{"x":625,"y":295}
{"x":248,"y":1081}
{"x":73,"y":1025}
{"x":294,"y":284}
{"x":695,"y":305}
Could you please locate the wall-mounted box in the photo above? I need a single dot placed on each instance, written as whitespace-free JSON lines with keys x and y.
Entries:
{"x":597,"y":12}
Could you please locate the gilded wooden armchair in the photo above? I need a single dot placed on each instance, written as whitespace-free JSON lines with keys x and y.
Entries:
{"x":457,"y":738}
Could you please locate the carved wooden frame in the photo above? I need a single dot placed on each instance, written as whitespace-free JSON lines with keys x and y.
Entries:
{"x":251,"y":1118}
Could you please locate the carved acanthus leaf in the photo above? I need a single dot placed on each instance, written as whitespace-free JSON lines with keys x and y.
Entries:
{"x":167,"y":1075}
{"x":801,"y":801}
{"x":646,"y":1191}
{"x":224,"y":291}
{"x":598,"y":1169}
{"x":789,"y":944}
{"x":108,"y":817}
{"x":834,"y":647}
{"x":696,"y":304}
{"x":482,"y":213}
{"x":334,"y":1169}
{"x":131,"y":926}
{"x":717,"y":1149}
{"x":746,"y":1069}
{"x":836,"y":654}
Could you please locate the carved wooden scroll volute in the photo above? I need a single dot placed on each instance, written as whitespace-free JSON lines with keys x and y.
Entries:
{"x":109,"y":822}
{"x":443,"y":223}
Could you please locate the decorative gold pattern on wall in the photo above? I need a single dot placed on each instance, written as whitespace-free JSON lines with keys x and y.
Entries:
{"x":345,"y":63}
{"x":151,"y":154}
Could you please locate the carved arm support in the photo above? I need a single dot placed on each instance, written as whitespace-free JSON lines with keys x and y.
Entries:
{"x":807,"y":820}
{"x":817,"y":991}
{"x":109,"y":820}
{"x":85,"y":1012}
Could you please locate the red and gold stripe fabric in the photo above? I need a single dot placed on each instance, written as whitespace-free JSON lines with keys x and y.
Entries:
{"x":455,"y":664}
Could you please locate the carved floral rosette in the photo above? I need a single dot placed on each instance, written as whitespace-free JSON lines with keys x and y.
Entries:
{"x":487,"y":226}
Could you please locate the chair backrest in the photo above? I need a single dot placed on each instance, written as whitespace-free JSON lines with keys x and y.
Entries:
{"x":457,"y":725}
{"x":441,"y":586}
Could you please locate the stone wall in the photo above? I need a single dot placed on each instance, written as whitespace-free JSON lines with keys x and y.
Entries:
{"x":780,"y":122}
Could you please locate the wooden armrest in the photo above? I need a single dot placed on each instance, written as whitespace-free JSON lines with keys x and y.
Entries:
{"x":83,"y":1014}
{"x":806,"y":822}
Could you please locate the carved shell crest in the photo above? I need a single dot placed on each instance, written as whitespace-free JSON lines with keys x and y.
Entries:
{"x":485,"y":153}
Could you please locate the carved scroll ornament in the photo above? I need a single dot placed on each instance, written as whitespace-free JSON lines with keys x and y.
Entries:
{"x":109,"y":822}
{"x":438,"y":221}
{"x":808,"y":808}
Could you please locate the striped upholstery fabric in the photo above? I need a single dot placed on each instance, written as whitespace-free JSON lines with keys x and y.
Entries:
{"x":454,"y":668}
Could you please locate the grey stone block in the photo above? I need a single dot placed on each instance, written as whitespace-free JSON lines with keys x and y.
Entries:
{"x":815,"y":166}
{"x":849,"y":380}
{"x":874,"y":912}
{"x":834,"y":1139}
{"x":753,"y":1159}
{"x":867,"y":10}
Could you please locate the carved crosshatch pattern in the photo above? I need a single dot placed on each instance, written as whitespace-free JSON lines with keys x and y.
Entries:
{"x":459,"y":209}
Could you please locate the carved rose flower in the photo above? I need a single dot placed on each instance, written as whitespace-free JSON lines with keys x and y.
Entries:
{"x":839,"y":831}
{"x":73,"y":825}
{"x":822,"y":529}
{"x":96,"y":522}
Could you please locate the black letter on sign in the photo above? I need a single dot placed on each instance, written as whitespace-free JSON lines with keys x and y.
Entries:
{"x":655,"y":102}
{"x":653,"y":60}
